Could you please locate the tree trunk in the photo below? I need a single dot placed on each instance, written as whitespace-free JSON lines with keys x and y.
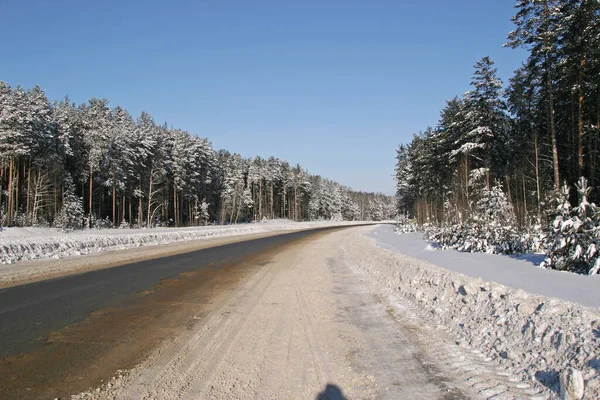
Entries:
{"x":509,"y":195}
{"x":524,"y":198}
{"x":580,"y":118}
{"x":260,"y":210}
{"x":237,"y":215}
{"x":16,"y":198}
{"x":11,"y":168}
{"x":537,"y":176}
{"x":114,"y":201}
{"x":55,"y":192}
{"x":2,"y":172}
{"x":551,"y":107}
{"x":272,"y":201}
{"x":91,"y":194}
{"x":553,"y":137}
{"x":467,"y":181}
{"x":175,"y":213}
{"x":594,"y":152}
{"x":27,"y":206}
{"x":149,"y":216}
{"x":140,"y":213}
{"x":233,"y":209}
{"x":295,"y":204}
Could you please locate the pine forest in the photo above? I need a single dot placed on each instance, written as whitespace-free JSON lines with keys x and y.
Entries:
{"x":74,"y":166}
{"x":513,"y":167}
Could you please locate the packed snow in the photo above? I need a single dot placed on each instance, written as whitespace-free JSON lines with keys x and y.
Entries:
{"x":536,"y":337}
{"x":513,"y":271}
{"x":22,"y":244}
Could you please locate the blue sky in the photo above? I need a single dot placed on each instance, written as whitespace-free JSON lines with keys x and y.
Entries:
{"x":332,"y":85}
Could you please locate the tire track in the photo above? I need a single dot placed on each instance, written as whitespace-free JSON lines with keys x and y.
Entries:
{"x":304,"y":324}
{"x":479,"y":374}
{"x":184,"y":362}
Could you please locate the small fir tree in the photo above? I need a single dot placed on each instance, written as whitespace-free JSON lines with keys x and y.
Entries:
{"x":71,"y":214}
{"x":574,"y":238}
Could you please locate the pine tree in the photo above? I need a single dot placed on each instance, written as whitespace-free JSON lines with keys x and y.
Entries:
{"x":71,"y":214}
{"x":574,"y":239}
{"x":538,"y":29}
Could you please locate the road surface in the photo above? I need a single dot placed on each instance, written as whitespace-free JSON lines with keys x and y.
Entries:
{"x":279,"y":317}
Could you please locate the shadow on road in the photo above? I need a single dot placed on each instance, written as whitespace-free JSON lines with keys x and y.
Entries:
{"x":595,"y":364}
{"x":549,"y":379}
{"x":331,"y":392}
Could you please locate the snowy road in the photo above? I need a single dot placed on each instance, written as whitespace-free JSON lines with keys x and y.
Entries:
{"x":41,"y":321}
{"x":294,"y":319}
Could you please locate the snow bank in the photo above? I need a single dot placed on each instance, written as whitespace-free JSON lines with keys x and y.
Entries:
{"x":21,"y":244}
{"x":532,"y":336}
{"x":510,"y":270}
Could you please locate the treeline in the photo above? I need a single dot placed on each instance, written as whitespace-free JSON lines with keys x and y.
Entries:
{"x":90,"y":165}
{"x":529,"y":138}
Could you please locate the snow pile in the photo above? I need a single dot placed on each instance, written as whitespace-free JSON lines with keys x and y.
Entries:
{"x":532,"y":336}
{"x":21,"y":244}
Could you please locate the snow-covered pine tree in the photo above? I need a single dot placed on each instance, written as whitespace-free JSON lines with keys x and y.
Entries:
{"x":485,"y":124}
{"x":70,"y":215}
{"x":538,"y":30}
{"x":494,"y":224}
{"x":204,"y":215}
{"x":574,"y":239}
{"x":247,"y":200}
{"x":315,"y":200}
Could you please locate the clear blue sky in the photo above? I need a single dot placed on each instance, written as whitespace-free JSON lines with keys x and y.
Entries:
{"x":332,"y":85}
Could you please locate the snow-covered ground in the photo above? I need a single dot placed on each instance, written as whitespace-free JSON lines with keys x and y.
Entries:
{"x":535,"y":337}
{"x":23,"y":244}
{"x":512,"y":271}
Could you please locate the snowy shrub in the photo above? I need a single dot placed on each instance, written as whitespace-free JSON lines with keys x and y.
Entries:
{"x":491,"y":229}
{"x":40,"y":223}
{"x":574,"y":237}
{"x":3,"y":218}
{"x":19,"y":219}
{"x":337,"y":216}
{"x":204,"y":215}
{"x":70,"y":216}
{"x":105,"y":223}
{"x":447,"y":236}
{"x":406,"y":227}
{"x":533,"y":237}
{"x":124,"y":225}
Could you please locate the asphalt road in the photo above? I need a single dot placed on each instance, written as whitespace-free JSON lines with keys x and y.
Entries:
{"x":287,"y":316}
{"x":28,"y":313}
